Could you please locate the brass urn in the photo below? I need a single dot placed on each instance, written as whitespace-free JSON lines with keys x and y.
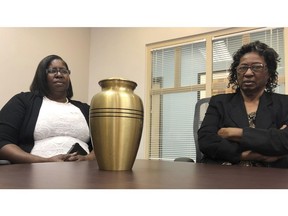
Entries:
{"x":116,"y":123}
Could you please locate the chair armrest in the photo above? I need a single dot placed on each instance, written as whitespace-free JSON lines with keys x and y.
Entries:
{"x":184,"y":159}
{"x":4,"y":162}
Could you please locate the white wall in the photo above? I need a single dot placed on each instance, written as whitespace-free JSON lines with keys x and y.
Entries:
{"x":91,"y":53}
{"x":21,"y":49}
{"x":120,"y":52}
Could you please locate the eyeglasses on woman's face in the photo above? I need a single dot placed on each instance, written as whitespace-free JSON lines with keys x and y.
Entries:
{"x":256,"y":68}
{"x":54,"y":71}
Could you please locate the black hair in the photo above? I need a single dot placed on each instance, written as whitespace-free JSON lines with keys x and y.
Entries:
{"x":39,"y":84}
{"x":271,"y":58}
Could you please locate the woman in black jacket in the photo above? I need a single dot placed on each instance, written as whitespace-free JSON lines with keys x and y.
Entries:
{"x":248,"y":127}
{"x":43,"y":124}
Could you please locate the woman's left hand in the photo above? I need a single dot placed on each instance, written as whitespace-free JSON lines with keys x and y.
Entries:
{"x":76,"y":157}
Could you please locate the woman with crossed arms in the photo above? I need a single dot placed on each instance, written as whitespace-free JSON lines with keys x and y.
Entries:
{"x":248,"y":127}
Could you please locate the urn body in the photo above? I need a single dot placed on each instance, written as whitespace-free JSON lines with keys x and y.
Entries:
{"x":116,"y":123}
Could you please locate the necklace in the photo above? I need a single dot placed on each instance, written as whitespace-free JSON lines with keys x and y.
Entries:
{"x":251,"y":119}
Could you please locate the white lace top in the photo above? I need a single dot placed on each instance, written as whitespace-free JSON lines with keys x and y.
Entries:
{"x":58,"y":127}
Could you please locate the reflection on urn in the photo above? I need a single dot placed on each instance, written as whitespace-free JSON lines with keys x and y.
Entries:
{"x":116,"y":123}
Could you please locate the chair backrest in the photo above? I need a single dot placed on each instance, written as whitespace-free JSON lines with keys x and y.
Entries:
{"x":199,"y":113}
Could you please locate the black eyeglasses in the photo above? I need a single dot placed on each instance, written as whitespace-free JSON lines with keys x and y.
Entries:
{"x":54,"y":71}
{"x":256,"y":68}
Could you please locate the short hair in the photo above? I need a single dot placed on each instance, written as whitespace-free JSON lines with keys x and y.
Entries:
{"x":39,"y":84}
{"x":271,"y":58}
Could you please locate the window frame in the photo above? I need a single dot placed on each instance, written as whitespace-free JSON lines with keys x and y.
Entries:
{"x":207,"y":87}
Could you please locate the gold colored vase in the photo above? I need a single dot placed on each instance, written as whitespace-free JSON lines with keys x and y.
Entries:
{"x":116,"y":123}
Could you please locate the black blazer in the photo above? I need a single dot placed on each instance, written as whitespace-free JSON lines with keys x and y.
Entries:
{"x":228,"y":110}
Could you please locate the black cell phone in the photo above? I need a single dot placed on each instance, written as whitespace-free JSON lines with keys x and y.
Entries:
{"x":77,"y":148}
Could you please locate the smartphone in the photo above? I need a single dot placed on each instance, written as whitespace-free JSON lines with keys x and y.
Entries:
{"x":77,"y":148}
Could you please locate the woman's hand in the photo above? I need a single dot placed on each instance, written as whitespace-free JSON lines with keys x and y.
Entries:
{"x":230,"y":133}
{"x":249,"y":155}
{"x":61,"y":157}
{"x":75,"y":157}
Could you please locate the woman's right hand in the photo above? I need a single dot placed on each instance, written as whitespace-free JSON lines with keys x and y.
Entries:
{"x":15,"y":154}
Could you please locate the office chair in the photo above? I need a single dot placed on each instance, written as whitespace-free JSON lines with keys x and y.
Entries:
{"x":200,"y":110}
{"x":199,"y":113}
{"x":4,"y":162}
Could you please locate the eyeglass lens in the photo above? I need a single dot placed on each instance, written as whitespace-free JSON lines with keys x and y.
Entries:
{"x":56,"y":70}
{"x":254,"y":67}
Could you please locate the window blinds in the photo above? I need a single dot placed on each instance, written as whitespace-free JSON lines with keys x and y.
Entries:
{"x":178,"y":78}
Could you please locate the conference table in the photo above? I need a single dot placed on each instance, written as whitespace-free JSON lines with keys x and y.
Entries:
{"x":145,"y":174}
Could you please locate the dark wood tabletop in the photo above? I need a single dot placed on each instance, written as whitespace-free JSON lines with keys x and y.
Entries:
{"x":146,"y":174}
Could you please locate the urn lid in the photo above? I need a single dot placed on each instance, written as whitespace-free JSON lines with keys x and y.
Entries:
{"x":117,"y":81}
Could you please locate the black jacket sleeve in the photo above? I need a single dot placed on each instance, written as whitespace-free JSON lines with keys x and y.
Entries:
{"x":17,"y":120}
{"x":228,"y":110}
{"x":210,"y":143}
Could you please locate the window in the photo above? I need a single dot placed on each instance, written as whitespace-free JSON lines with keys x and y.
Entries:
{"x":186,"y":70}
